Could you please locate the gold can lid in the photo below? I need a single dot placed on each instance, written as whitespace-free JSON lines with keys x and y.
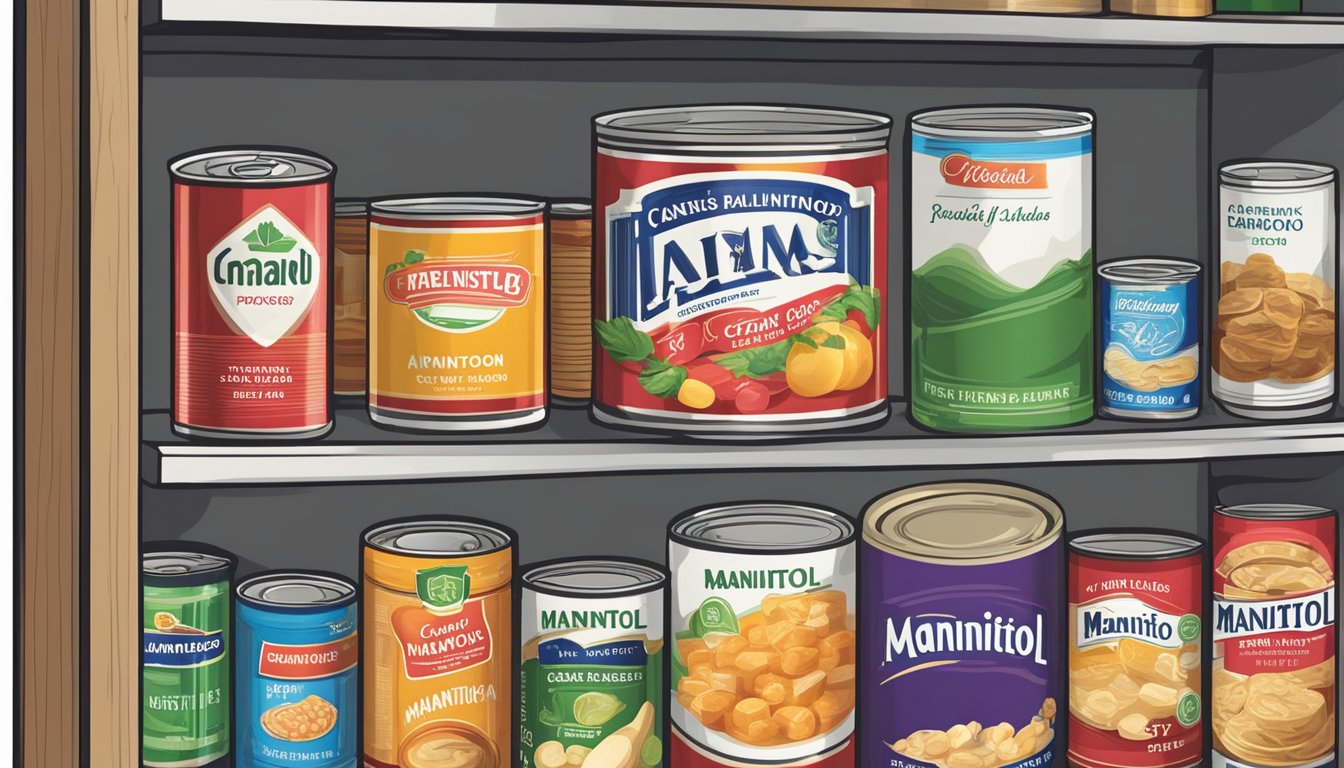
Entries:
{"x":963,"y":523}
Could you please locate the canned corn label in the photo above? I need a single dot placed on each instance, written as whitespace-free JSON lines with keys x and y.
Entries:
{"x":458,"y":315}
{"x":590,"y":667}
{"x":1134,"y":662}
{"x":1150,"y":334}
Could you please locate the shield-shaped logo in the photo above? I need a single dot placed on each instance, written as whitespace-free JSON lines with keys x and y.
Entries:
{"x":443,"y":589}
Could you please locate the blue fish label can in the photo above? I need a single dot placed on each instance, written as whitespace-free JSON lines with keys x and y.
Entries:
{"x":296,"y":673}
{"x":1150,"y":338}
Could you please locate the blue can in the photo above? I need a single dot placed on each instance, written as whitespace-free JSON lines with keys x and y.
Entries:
{"x":296,"y":671}
{"x":1150,"y":338}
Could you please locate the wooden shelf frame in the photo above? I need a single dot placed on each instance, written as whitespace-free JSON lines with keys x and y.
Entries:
{"x":80,"y":636}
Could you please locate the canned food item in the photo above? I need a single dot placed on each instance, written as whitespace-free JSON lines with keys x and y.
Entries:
{"x":961,"y":662}
{"x":1275,"y":695}
{"x":351,"y":304}
{"x":251,"y":293}
{"x":571,"y":318}
{"x":1274,"y":338}
{"x":741,"y":268}
{"x":438,"y":644}
{"x":185,"y":671}
{"x":592,"y":664}
{"x":1150,"y":338}
{"x":456,"y":335}
{"x":1001,"y":251}
{"x":1135,"y":626}
{"x":297,"y":671}
{"x":763,"y":631}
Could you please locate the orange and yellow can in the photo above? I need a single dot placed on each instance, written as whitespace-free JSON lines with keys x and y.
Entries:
{"x":457,"y":312}
{"x":438,"y":651}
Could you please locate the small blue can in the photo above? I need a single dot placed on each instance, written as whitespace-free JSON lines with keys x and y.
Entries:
{"x":296,"y":671}
{"x":1150,"y":338}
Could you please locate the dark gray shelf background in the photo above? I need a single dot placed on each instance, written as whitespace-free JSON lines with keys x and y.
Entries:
{"x":434,"y":113}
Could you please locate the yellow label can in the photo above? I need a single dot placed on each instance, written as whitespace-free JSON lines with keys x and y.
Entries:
{"x":457,"y":312}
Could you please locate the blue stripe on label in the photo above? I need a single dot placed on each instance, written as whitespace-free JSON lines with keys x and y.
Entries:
{"x":562,"y":651}
{"x":174,"y":650}
{"x":689,"y":243}
{"x":987,"y":149}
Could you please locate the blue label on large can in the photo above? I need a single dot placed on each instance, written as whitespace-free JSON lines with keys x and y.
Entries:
{"x":297,"y":688}
{"x":1150,"y":343}
{"x":716,"y":241}
{"x":182,"y":650}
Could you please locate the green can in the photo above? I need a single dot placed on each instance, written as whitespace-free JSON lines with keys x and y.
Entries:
{"x":185,"y":661}
{"x":592,"y":660}
{"x":1001,"y":308}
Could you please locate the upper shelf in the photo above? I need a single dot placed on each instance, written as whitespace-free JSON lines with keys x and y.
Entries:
{"x":570,"y":443}
{"x":764,"y":22}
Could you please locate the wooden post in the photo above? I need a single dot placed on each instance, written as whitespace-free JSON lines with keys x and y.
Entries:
{"x":113,"y":374}
{"x":80,"y":459}
{"x":52,"y":461}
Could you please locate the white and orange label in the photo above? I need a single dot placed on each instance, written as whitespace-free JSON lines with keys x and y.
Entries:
{"x":457,"y":315}
{"x":961,"y":170}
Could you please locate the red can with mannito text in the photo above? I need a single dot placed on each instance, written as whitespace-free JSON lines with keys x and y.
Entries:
{"x":1136,"y":601}
{"x":251,"y":293}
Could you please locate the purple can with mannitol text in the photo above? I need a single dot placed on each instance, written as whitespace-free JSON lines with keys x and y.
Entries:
{"x":960,"y":654}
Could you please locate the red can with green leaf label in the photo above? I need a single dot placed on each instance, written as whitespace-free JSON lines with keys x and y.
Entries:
{"x":251,"y":293}
{"x":740,"y":264}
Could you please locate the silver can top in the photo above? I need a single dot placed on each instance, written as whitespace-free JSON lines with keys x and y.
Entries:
{"x":1275,"y":511}
{"x":1015,"y":123}
{"x":762,"y":528}
{"x":571,"y":209}
{"x":454,"y":206}
{"x":251,"y":166}
{"x":1136,"y":545}
{"x":351,"y":207}
{"x":594,"y":577}
{"x":183,"y":568}
{"x":438,"y":538}
{"x":1149,"y":271}
{"x":1275,"y":174}
{"x":736,"y":129}
{"x":296,"y":590}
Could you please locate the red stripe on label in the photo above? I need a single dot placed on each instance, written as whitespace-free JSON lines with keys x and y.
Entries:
{"x":448,"y":222}
{"x":308,"y":662}
{"x":485,"y":405}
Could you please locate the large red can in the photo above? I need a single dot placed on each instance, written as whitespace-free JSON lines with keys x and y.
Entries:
{"x":1135,"y":643}
{"x":251,"y":293}
{"x":1275,"y":686}
{"x":741,"y":259}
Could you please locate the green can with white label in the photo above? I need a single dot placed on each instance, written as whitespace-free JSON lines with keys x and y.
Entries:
{"x":1001,"y":307}
{"x":185,"y":662}
{"x":592,"y":661}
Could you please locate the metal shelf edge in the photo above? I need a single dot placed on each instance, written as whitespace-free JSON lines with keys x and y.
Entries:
{"x":748,"y":21}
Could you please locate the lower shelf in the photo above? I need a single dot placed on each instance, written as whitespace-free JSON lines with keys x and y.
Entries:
{"x":571,"y":443}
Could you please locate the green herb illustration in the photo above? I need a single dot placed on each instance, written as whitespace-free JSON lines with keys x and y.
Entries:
{"x":267,"y":238}
{"x":660,"y":378}
{"x":413,"y":256}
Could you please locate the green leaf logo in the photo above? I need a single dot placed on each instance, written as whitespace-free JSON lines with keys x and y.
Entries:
{"x":443,"y":589}
{"x":267,"y":238}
